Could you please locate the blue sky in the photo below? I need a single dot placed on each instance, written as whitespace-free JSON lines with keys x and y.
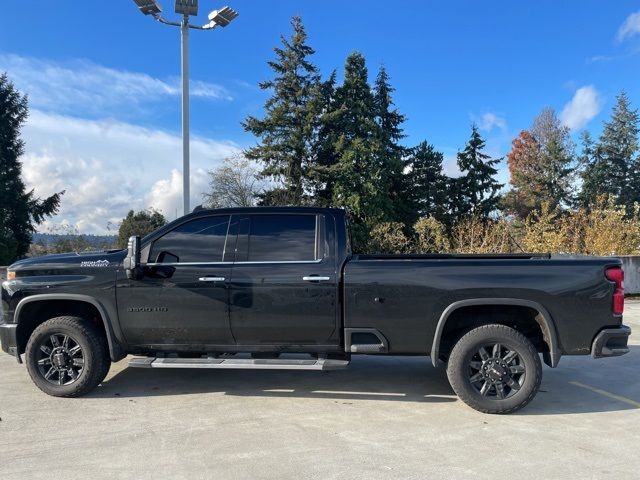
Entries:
{"x":104,"y":82}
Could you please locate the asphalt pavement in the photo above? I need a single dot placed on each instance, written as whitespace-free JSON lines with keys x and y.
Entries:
{"x":382,"y":418}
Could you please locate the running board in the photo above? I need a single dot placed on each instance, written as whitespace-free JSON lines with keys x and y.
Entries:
{"x":246,"y":363}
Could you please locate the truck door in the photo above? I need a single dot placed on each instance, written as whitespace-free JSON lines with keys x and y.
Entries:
{"x":284,"y":282}
{"x":183,"y":297}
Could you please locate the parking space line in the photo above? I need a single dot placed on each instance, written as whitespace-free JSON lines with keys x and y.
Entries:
{"x":604,"y":393}
{"x":381,"y":394}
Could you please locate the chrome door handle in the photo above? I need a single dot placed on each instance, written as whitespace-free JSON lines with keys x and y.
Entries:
{"x":312,"y":278}
{"x":211,"y":279}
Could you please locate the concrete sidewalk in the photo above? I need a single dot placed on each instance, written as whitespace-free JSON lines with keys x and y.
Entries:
{"x":392,"y":418}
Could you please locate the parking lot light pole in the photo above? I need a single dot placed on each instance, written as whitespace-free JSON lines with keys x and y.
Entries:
{"x":217,"y":18}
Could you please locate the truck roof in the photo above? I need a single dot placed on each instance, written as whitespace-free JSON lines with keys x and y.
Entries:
{"x":237,"y":210}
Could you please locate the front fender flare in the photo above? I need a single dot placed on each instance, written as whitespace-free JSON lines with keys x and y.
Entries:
{"x":115,"y":350}
{"x":546,"y":324}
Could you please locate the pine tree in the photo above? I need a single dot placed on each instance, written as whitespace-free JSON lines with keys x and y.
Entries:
{"x":429,"y":185}
{"x":20,"y":210}
{"x":592,"y":172}
{"x":360,"y":184}
{"x":477,"y":187}
{"x":322,"y":169}
{"x":286,"y":132}
{"x":393,"y":155}
{"x":616,"y":162}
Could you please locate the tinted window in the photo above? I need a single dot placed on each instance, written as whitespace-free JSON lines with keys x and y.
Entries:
{"x":274,"y":238}
{"x":200,"y":240}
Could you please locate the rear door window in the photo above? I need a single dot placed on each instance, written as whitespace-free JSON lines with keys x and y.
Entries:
{"x":199,"y":240}
{"x":282,"y":238}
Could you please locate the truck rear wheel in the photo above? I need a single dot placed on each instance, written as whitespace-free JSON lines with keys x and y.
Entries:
{"x":67,"y":357}
{"x":494,"y":369}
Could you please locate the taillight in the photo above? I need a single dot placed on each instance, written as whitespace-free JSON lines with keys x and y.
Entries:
{"x":616,"y":274}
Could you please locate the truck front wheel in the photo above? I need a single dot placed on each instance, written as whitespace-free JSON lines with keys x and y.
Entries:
{"x":494,"y":369}
{"x":67,"y":357}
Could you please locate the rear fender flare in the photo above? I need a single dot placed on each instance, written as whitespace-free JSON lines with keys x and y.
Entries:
{"x":545,"y":321}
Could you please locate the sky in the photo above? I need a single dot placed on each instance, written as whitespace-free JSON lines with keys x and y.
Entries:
{"x":104,"y":83}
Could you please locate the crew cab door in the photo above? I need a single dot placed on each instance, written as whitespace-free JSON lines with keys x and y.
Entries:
{"x":182,"y":298}
{"x":284,"y":283}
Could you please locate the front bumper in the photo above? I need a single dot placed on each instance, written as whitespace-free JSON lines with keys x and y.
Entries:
{"x":8,"y":339}
{"x":611,"y":342}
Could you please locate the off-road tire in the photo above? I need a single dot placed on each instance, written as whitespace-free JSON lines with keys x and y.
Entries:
{"x":94,"y":348}
{"x":459,"y":369}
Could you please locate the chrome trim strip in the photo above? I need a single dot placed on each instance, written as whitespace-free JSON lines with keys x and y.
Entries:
{"x":184,"y":264}
{"x":279,"y":261}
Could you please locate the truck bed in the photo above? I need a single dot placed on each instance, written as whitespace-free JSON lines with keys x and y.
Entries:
{"x":405,"y":296}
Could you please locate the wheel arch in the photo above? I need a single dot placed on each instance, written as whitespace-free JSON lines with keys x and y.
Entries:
{"x":65,"y":302}
{"x":544,"y":320}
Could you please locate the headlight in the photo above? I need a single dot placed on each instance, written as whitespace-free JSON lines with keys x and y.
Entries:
{"x":11,"y":275}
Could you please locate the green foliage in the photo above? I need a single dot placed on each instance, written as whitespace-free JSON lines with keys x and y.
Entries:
{"x":287,"y":131}
{"x":20,"y":210}
{"x":360,"y":182}
{"x":322,"y":170}
{"x":476,"y":190}
{"x":139,"y":223}
{"x":612,"y":167}
{"x":392,"y":154}
{"x":428,"y":187}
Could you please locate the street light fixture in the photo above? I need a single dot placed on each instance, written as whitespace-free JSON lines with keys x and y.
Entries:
{"x":148,"y":7}
{"x":186,"y":8}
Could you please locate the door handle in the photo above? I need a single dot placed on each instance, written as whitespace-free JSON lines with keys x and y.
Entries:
{"x":211,"y":279}
{"x":315,"y":278}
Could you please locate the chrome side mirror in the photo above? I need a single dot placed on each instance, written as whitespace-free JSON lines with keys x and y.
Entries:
{"x":132,"y":260}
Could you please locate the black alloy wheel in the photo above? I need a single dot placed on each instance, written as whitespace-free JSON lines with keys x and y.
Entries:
{"x":61,"y":359}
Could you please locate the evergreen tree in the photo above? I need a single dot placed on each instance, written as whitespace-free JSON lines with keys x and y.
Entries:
{"x":615,"y":166}
{"x":286,"y":132}
{"x":20,"y":210}
{"x":322,"y":169}
{"x":477,"y":187}
{"x":393,"y":155}
{"x":360,"y":184}
{"x":592,"y":172}
{"x":429,"y":185}
{"x":139,"y":223}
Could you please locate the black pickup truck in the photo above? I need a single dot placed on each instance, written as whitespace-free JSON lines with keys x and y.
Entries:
{"x":279,"y":288}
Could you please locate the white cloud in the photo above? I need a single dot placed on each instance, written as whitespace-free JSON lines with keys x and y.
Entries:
{"x":450,"y":166}
{"x":630,"y":27}
{"x":109,"y":167}
{"x":584,"y":105}
{"x":80,"y":85}
{"x":488,"y":121}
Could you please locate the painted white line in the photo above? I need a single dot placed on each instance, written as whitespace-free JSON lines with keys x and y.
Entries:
{"x":381,"y":394}
{"x":604,"y":393}
{"x":280,"y":390}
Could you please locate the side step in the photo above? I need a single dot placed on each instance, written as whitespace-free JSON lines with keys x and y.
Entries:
{"x":247,"y":363}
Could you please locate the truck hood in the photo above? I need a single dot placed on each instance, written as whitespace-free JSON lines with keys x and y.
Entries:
{"x":96,"y":259}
